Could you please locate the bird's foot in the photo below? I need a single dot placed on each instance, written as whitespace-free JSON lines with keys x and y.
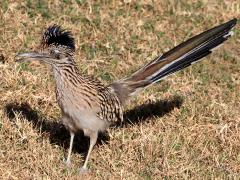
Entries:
{"x":67,"y":163}
{"x":84,"y":170}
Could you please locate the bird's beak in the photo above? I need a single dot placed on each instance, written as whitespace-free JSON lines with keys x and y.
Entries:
{"x":31,"y":56}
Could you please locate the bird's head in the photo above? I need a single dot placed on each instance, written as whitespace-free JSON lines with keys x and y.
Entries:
{"x":57,"y":47}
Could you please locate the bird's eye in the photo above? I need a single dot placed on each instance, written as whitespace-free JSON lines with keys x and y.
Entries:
{"x":55,"y":53}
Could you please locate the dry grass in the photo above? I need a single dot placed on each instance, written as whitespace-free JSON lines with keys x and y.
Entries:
{"x":190,"y":125}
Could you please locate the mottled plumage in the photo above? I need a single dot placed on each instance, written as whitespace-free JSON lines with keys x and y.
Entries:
{"x":86,"y":103}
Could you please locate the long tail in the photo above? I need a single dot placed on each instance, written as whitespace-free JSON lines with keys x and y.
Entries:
{"x":178,"y":58}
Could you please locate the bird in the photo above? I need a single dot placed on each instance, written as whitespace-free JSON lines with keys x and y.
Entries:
{"x":86,"y":103}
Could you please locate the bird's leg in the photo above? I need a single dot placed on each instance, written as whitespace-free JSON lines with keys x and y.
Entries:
{"x":68,"y":162}
{"x":93,"y":139}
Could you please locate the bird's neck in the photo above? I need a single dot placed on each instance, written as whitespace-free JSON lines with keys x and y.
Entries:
{"x":62,"y":70}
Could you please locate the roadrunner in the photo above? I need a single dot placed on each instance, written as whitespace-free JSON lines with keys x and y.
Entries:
{"x":87,"y":104}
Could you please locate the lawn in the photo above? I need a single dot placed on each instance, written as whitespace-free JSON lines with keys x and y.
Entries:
{"x":184,"y":127}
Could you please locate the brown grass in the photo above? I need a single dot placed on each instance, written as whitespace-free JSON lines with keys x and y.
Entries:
{"x":187,"y":126}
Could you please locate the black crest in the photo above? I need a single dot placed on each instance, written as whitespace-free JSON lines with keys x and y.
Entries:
{"x":54,"y":35}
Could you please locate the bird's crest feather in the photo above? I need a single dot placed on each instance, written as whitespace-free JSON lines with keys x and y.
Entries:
{"x":54,"y":35}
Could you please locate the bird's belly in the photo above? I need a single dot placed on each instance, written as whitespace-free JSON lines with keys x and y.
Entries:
{"x":88,"y":120}
{"x":81,"y":118}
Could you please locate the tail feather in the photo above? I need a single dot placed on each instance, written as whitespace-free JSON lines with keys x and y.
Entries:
{"x":180,"y":57}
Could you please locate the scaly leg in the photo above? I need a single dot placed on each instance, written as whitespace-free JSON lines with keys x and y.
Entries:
{"x":68,"y":162}
{"x":93,"y":139}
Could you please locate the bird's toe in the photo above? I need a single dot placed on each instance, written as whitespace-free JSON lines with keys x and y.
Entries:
{"x":84,"y":170}
{"x":67,"y":163}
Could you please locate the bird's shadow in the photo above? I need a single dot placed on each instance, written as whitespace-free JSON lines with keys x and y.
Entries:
{"x":58,"y":134}
{"x":151,"y":109}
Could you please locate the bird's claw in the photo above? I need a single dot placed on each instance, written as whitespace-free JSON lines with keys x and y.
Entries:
{"x":84,"y":170}
{"x":67,"y":163}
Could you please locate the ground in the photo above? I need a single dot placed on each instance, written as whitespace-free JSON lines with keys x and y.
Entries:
{"x":186,"y":126}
